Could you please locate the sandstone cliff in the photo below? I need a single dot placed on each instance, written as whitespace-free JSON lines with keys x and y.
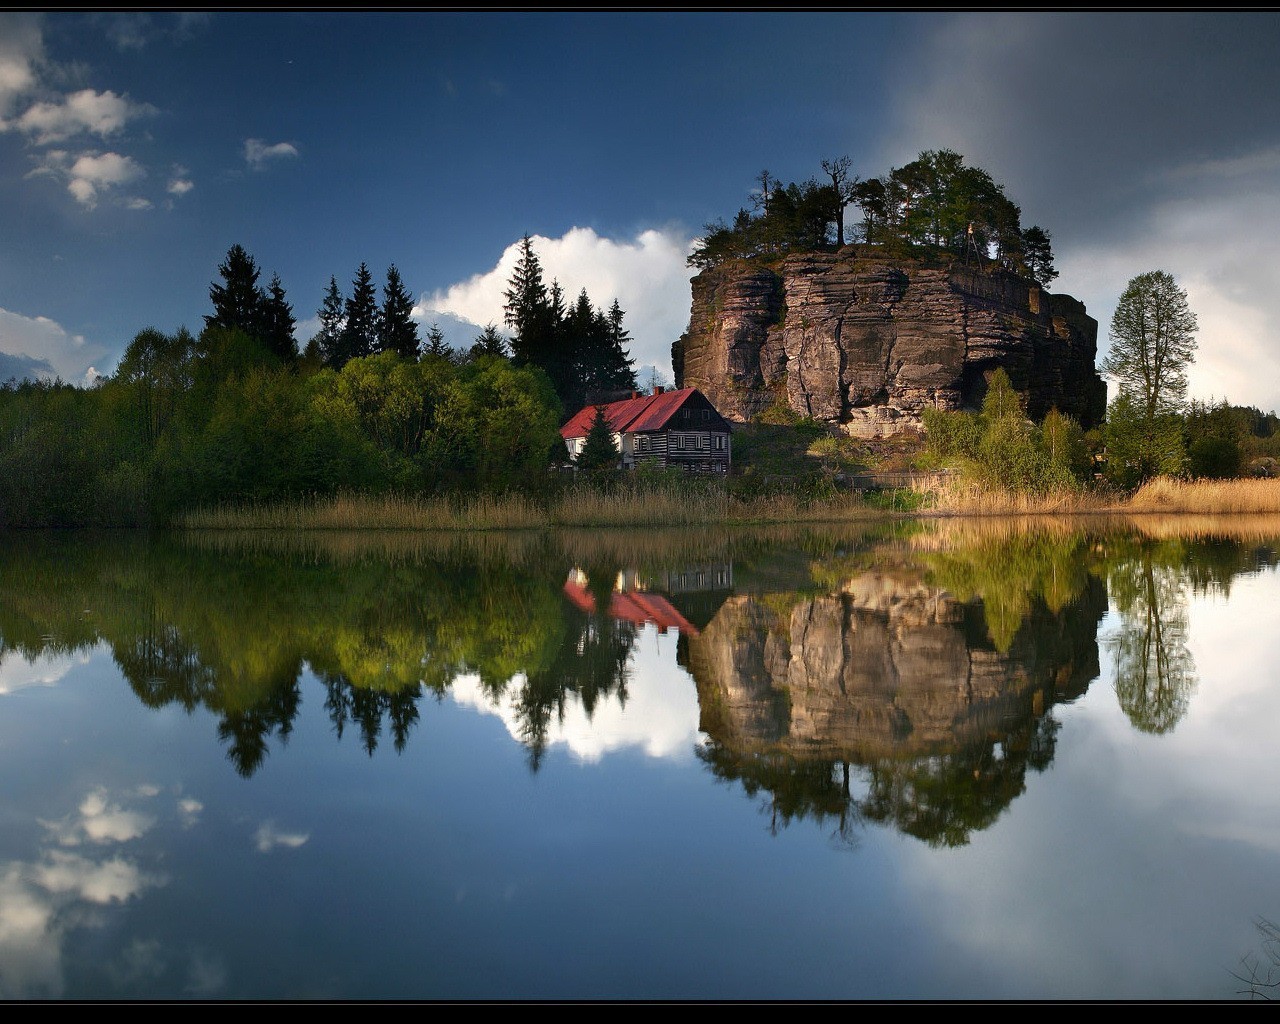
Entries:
{"x":867,"y":341}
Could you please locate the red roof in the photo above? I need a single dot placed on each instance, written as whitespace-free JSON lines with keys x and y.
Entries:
{"x":637,"y":606}
{"x":645,"y":412}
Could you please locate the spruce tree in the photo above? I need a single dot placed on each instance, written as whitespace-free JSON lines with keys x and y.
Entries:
{"x":238,"y":302}
{"x":435,"y":344}
{"x":360,"y":329}
{"x":490,"y":342}
{"x":396,"y":330}
{"x":527,"y":309}
{"x":332,"y":314}
{"x":599,"y":453}
{"x":279,"y":323}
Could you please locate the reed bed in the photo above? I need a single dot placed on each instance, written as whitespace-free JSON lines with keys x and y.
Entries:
{"x":958,"y":497}
{"x":1207,"y":497}
{"x":578,"y":507}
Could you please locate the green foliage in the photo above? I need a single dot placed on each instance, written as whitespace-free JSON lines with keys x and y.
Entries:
{"x":1003,"y":450}
{"x":1139,"y":447}
{"x":1214,"y":438}
{"x":599,"y":453}
{"x":936,"y":201}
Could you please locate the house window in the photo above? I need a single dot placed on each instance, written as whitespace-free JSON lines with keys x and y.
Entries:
{"x":642,"y":442}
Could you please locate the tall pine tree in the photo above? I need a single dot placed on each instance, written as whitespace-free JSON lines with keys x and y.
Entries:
{"x":359,"y":336}
{"x":332,"y":313}
{"x":396,"y":330}
{"x":278,"y":323}
{"x":238,"y":302}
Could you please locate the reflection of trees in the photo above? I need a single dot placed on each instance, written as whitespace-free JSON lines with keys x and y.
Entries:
{"x":1154,"y":669}
{"x":791,"y":789}
{"x":591,"y":663}
{"x":231,"y":631}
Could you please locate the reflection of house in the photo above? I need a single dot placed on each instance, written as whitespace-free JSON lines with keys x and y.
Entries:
{"x":636,"y":606}
{"x":667,"y":428}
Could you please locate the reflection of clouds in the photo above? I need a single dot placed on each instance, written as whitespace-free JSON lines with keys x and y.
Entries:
{"x":18,"y":672}
{"x":100,"y":821}
{"x":43,"y":900}
{"x":115,"y":880}
{"x":660,"y":715}
{"x":268,"y":837}
{"x":206,"y":976}
{"x":30,"y":949}
{"x":189,"y":811}
{"x":1163,"y":813}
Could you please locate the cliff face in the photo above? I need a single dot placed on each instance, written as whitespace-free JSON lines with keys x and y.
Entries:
{"x":868,"y":342}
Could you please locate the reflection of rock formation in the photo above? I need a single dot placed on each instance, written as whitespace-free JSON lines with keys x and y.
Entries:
{"x":888,"y":666}
{"x":899,"y":678}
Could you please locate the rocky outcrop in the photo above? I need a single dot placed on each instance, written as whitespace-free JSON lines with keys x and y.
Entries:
{"x":867,"y":342}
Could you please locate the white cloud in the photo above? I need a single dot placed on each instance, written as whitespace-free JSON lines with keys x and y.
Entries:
{"x":21,"y":50}
{"x":90,"y":175}
{"x":98,"y":113}
{"x":180,"y":186}
{"x":257,"y":153}
{"x":268,"y":837}
{"x":648,"y":276}
{"x":48,"y":344}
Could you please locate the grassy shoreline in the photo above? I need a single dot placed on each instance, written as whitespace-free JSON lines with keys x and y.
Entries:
{"x":673,"y":505}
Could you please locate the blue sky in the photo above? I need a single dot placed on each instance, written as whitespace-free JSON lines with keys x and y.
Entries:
{"x":137,"y":147}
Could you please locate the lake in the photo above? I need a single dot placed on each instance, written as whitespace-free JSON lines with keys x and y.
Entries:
{"x":966,"y":760}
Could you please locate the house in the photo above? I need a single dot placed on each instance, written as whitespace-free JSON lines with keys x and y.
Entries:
{"x":667,"y":428}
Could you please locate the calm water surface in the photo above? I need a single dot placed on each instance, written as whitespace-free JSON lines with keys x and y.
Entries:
{"x":992,"y":761}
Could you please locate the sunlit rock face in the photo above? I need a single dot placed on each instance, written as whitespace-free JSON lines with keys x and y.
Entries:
{"x":887,"y":666}
{"x":868,"y":342}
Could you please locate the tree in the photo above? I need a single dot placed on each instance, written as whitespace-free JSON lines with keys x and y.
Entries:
{"x":843,"y":188}
{"x":527,"y":311}
{"x":599,"y":453}
{"x":360,"y":324}
{"x":489,"y":342}
{"x":278,"y":323}
{"x":396,"y":330}
{"x":1152,"y":343}
{"x":1037,"y":253}
{"x":238,"y":302}
{"x":332,"y":313}
{"x":435,"y":344}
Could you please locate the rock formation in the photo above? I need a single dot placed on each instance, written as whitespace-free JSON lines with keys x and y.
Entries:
{"x":867,"y":341}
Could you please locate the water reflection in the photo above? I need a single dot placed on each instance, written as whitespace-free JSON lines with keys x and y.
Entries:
{"x":901,"y":676}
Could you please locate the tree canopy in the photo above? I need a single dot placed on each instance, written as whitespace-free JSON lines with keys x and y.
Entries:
{"x":936,"y":201}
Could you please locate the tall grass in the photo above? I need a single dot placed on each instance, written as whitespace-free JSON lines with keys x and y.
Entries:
{"x":692,"y":504}
{"x":1207,"y":497}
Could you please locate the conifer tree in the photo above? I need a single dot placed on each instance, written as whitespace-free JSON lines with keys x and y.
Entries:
{"x":332,"y":313}
{"x":490,"y":342}
{"x":278,"y":323}
{"x":238,"y":302}
{"x":360,"y":327}
{"x":435,"y":344}
{"x":396,"y":330}
{"x":599,"y":453}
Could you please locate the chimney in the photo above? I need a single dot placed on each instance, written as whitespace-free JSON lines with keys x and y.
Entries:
{"x":634,"y":393}
{"x":657,"y":389}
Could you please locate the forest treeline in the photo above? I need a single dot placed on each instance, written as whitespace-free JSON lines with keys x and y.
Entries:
{"x":239,"y":413}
